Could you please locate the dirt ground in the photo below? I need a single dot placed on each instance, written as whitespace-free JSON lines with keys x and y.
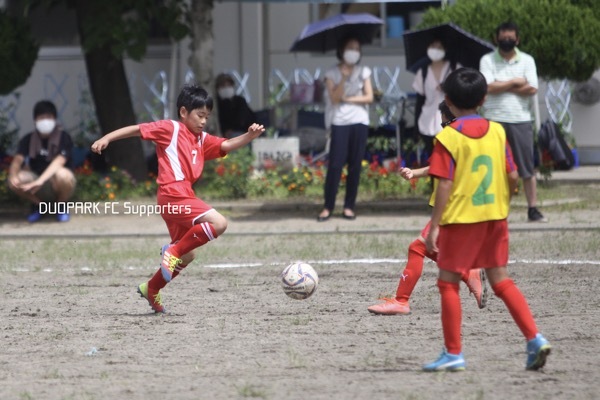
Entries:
{"x":74,"y":329}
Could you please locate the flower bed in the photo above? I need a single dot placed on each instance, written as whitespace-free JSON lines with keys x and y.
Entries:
{"x":234,"y":177}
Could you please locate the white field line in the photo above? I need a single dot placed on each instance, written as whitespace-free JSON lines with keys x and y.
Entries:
{"x":343,"y":262}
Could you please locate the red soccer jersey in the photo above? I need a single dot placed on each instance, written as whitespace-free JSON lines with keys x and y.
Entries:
{"x":181,"y":153}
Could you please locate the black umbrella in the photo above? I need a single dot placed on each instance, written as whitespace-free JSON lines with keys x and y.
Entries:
{"x":460,"y":45}
{"x":325,"y":34}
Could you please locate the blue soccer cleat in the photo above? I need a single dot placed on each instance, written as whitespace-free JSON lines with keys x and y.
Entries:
{"x":447,"y":362}
{"x":538,"y":350}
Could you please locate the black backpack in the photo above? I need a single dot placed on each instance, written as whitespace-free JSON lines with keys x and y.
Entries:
{"x":553,"y":145}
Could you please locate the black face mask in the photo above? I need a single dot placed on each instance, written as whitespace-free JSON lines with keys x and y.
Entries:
{"x":507,"y":44}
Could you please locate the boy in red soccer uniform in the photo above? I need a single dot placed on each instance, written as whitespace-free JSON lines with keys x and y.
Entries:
{"x":476,"y":177}
{"x":474,"y":279}
{"x":182,"y":147}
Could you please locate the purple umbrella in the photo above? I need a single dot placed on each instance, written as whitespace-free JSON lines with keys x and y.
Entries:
{"x":325,"y":34}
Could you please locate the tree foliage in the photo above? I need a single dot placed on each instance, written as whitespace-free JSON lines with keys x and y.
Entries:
{"x":18,"y":52}
{"x":561,"y":35}
{"x":124,"y":26}
{"x":108,"y":34}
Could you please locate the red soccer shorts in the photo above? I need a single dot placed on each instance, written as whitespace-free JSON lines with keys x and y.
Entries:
{"x":463,"y":247}
{"x":180,"y":208}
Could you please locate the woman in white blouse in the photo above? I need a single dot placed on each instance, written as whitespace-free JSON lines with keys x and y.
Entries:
{"x":347,"y":97}
{"x":429,"y":121}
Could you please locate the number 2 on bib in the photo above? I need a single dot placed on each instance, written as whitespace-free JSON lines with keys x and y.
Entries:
{"x":481,"y":197}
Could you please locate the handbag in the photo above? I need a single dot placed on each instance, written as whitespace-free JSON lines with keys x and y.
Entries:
{"x":302,"y":93}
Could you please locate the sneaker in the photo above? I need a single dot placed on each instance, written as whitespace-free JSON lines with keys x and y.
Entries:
{"x":63,"y":217}
{"x":447,"y":362}
{"x":35,"y":215}
{"x":155,"y":299}
{"x":168,"y":264}
{"x":390,"y":307}
{"x":534,"y":215}
{"x":477,"y":286}
{"x":538,"y":350}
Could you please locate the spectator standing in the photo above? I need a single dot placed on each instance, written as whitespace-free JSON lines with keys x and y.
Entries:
{"x":512,"y":81}
{"x":348,"y":93}
{"x":429,"y":93}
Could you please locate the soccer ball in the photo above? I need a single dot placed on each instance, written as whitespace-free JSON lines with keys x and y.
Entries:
{"x":299,"y":280}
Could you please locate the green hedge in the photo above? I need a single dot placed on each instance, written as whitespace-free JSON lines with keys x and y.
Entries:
{"x":563,"y":36}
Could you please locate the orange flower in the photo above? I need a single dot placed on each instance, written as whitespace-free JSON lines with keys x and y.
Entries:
{"x":413,"y":183}
{"x":111,"y":196}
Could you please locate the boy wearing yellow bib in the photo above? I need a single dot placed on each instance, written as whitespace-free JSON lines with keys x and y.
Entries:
{"x":476,"y":175}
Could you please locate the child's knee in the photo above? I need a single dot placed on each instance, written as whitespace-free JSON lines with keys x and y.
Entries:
{"x":64,"y":177}
{"x":220,"y":225}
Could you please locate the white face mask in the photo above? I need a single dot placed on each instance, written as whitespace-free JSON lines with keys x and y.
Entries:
{"x":45,"y":126}
{"x":351,"y":57}
{"x":226,"y":92}
{"x":435,"y":54}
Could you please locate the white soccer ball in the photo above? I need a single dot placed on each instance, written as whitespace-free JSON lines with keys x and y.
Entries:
{"x":299,"y":280}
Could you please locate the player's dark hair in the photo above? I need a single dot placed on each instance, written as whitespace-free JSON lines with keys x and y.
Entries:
{"x":342,"y":45}
{"x":44,"y":107}
{"x":193,"y":96}
{"x":507,"y":26}
{"x":466,"y":88}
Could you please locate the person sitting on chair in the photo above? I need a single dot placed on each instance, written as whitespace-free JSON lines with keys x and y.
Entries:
{"x":235,"y":115}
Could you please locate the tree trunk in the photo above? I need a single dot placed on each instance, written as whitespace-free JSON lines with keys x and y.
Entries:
{"x":112,"y":98}
{"x":202,"y":49}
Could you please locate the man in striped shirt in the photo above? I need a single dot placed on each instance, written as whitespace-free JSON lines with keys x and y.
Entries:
{"x":512,"y":81}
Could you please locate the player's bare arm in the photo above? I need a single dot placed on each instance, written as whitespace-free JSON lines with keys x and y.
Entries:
{"x":408,"y":173}
{"x":121,"y":133}
{"x":254,"y":131}
{"x":441,"y":199}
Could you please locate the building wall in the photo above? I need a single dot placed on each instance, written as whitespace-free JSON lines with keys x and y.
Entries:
{"x":586,"y":128}
{"x":60,"y":75}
